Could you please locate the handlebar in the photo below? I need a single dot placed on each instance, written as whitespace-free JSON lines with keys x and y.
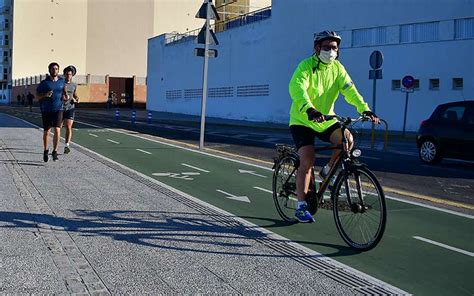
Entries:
{"x":346,"y":120}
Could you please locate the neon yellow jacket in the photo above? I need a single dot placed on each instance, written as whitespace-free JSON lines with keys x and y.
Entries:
{"x":317,"y":85}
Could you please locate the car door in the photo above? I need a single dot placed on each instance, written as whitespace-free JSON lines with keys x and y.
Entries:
{"x":450,"y":130}
{"x":468,"y":130}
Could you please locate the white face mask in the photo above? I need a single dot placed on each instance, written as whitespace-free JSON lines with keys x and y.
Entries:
{"x":327,"y":56}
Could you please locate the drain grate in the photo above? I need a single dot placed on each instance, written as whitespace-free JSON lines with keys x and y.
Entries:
{"x":321,"y":265}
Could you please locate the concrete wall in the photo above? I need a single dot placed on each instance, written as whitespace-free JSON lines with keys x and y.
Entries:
{"x":91,"y":89}
{"x":267,"y":52}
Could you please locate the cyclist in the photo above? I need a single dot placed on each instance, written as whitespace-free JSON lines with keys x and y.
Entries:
{"x":314,"y":88}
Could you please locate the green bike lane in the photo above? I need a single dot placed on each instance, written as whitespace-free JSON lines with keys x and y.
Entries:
{"x":416,"y":266}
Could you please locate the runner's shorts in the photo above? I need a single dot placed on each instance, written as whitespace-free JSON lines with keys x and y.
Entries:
{"x":304,"y":136}
{"x":68,"y":114}
{"x":52,"y":119}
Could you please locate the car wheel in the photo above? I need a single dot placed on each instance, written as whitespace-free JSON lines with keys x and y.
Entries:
{"x":429,"y":152}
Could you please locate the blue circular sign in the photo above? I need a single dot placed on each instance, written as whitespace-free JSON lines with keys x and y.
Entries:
{"x":408,"y":81}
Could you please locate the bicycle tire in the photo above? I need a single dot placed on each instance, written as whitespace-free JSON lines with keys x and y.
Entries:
{"x":284,"y":187}
{"x":374,"y":201}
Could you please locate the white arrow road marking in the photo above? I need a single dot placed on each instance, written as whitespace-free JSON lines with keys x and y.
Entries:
{"x":112,"y":141}
{"x":444,"y":246}
{"x":143,"y":151}
{"x":263,"y":189}
{"x":184,"y":176}
{"x":251,"y":173}
{"x":196,"y":168}
{"x":93,"y":135}
{"x":234,"y":197}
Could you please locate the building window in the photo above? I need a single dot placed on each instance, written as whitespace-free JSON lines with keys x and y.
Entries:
{"x":423,"y":32}
{"x":369,"y":37}
{"x":457,"y":83}
{"x":416,"y":84}
{"x":434,"y":84}
{"x":464,"y":28}
{"x":396,"y":84}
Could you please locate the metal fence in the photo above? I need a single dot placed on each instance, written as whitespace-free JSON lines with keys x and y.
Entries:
{"x":242,"y":20}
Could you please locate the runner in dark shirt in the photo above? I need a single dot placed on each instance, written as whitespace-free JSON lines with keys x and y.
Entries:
{"x":49,"y":93}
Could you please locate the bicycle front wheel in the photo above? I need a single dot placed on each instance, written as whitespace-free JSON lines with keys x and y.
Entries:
{"x":284,"y":188}
{"x":359,"y":208}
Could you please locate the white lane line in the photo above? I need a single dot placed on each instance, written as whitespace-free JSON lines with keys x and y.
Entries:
{"x":112,"y":141}
{"x":196,"y":168}
{"x":143,"y":151}
{"x":93,"y":135}
{"x":444,"y":246}
{"x":263,"y":189}
{"x":251,"y":173}
{"x":268,"y":168}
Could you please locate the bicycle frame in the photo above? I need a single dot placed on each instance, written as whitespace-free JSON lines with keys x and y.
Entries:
{"x":343,"y":159}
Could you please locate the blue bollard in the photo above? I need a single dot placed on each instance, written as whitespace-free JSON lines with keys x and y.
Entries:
{"x":134,"y":116}
{"x":149,"y":117}
{"x":117,"y":114}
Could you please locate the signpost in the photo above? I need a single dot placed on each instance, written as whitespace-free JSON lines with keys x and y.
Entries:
{"x":408,"y":82}
{"x":206,"y":36}
{"x":375,"y":61}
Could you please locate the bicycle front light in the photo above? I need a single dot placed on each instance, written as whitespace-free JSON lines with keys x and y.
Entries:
{"x":356,"y":153}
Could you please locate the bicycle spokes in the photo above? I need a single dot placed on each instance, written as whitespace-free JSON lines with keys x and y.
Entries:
{"x":359,"y":209}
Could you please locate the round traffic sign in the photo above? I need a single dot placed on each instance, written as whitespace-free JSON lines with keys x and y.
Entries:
{"x":376,"y":59}
{"x":408,"y":81}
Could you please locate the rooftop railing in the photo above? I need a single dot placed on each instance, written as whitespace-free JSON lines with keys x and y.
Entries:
{"x":224,"y":25}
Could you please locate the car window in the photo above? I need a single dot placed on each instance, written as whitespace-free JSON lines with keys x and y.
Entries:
{"x":470,"y":116}
{"x":453,"y":113}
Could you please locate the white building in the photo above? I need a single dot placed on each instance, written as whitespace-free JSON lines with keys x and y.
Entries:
{"x":432,"y":40}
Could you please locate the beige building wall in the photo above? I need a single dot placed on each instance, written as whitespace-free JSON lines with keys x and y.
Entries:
{"x":45,"y":31}
{"x":176,"y":16}
{"x":117,"y":34}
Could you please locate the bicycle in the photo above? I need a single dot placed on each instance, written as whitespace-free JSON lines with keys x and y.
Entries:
{"x":357,"y":198}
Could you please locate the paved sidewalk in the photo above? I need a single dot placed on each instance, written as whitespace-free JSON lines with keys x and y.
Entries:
{"x":86,"y":225}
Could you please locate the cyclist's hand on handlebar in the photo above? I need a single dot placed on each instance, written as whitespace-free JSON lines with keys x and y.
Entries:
{"x":314,"y":115}
{"x":371,"y":115}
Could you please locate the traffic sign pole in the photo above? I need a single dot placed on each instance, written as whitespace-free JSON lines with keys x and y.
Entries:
{"x":405,"y":116}
{"x":375,"y":61}
{"x":204,"y":79}
{"x":409,"y":82}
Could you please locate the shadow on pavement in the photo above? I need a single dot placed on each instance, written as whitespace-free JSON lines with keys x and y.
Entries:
{"x":165,"y":230}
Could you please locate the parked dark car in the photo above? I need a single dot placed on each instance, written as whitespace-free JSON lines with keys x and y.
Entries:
{"x":449,"y":132}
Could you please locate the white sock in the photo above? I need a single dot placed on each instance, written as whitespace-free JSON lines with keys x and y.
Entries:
{"x":67,"y":144}
{"x":326,"y":169}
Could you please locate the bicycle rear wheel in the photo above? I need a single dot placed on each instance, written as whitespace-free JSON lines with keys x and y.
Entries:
{"x":359,"y":208}
{"x":284,"y":187}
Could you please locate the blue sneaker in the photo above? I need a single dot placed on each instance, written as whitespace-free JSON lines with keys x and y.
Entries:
{"x":303,"y":215}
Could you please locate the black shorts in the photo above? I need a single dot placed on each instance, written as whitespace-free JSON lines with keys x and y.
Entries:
{"x":52,"y":119}
{"x":68,"y":114}
{"x":304,"y":136}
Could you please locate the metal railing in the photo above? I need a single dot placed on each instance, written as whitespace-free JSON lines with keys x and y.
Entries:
{"x":224,"y":25}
